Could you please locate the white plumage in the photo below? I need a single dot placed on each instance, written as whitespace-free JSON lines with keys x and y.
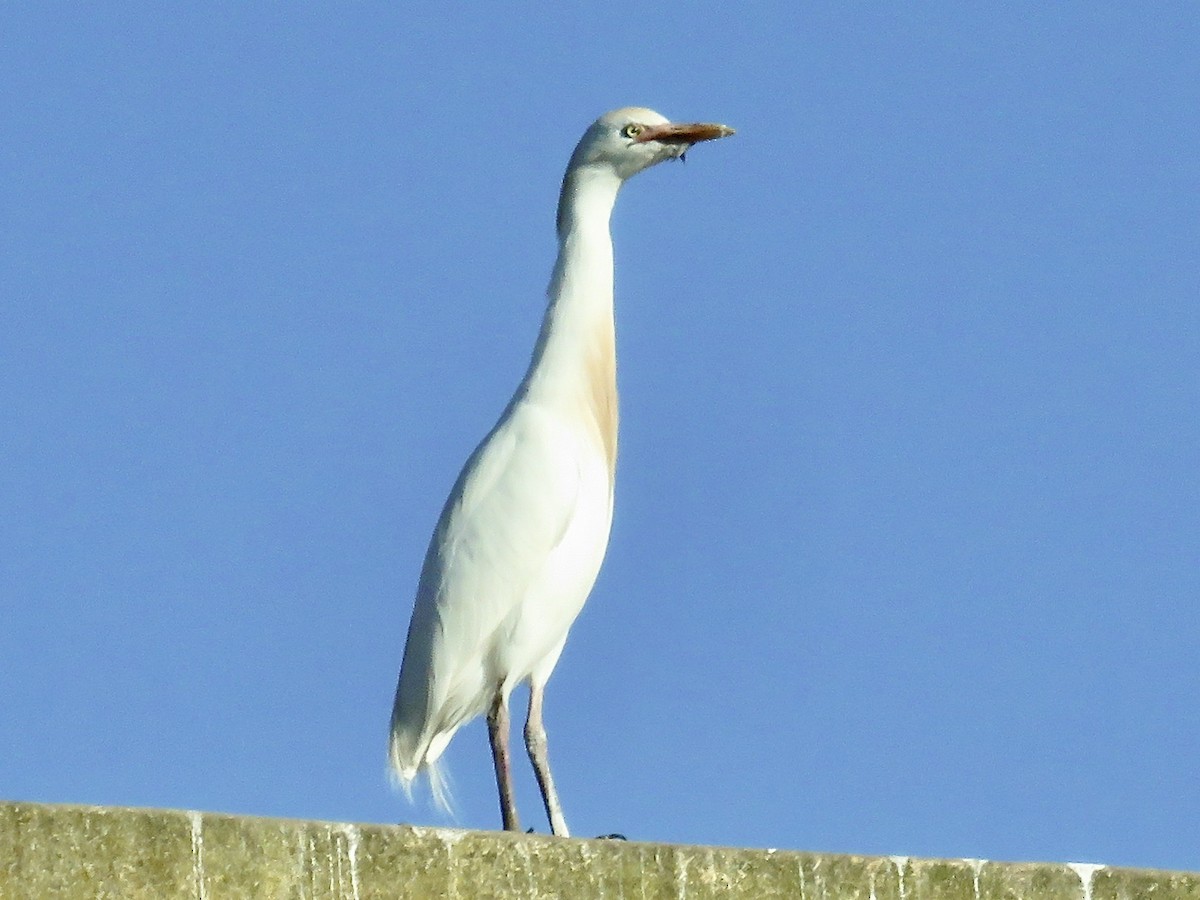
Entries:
{"x":521,"y":538}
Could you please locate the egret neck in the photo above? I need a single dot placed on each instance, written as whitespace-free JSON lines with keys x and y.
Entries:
{"x":574,"y":364}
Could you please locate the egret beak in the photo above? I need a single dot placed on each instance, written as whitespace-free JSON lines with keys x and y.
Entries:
{"x":679,"y":133}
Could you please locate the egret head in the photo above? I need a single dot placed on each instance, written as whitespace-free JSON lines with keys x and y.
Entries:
{"x":631,"y":139}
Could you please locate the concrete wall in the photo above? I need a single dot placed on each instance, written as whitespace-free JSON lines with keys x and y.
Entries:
{"x":72,"y":852}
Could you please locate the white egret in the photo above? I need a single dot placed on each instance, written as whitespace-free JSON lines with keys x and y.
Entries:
{"x":522,"y":535}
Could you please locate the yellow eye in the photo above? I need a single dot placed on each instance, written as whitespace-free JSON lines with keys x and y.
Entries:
{"x":631,"y":131}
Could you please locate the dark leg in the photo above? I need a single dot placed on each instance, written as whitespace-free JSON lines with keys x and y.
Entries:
{"x":498,"y":735}
{"x":535,"y":742}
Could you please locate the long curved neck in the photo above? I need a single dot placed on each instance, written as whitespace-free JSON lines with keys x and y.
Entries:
{"x":574,"y":366}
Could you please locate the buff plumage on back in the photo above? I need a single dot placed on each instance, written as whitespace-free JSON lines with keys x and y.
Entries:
{"x":602,"y":392}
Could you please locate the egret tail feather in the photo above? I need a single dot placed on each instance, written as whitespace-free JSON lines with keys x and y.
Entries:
{"x":404,"y":776}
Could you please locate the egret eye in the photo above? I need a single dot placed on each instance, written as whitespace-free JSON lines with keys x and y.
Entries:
{"x":632,"y":131}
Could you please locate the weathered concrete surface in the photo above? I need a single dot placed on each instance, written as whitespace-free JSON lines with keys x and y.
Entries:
{"x":72,"y":852}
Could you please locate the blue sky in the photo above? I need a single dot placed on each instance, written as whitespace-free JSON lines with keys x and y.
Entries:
{"x":906,"y":555}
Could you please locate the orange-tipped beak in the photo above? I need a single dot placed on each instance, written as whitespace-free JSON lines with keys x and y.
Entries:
{"x":691,"y":133}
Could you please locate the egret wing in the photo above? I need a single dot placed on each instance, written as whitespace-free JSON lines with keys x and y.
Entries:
{"x":509,"y":509}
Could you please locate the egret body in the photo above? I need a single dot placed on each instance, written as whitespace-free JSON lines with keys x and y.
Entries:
{"x":521,"y":538}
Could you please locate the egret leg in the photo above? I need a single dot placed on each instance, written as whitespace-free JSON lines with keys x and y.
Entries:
{"x":498,"y":735}
{"x":535,"y":742}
